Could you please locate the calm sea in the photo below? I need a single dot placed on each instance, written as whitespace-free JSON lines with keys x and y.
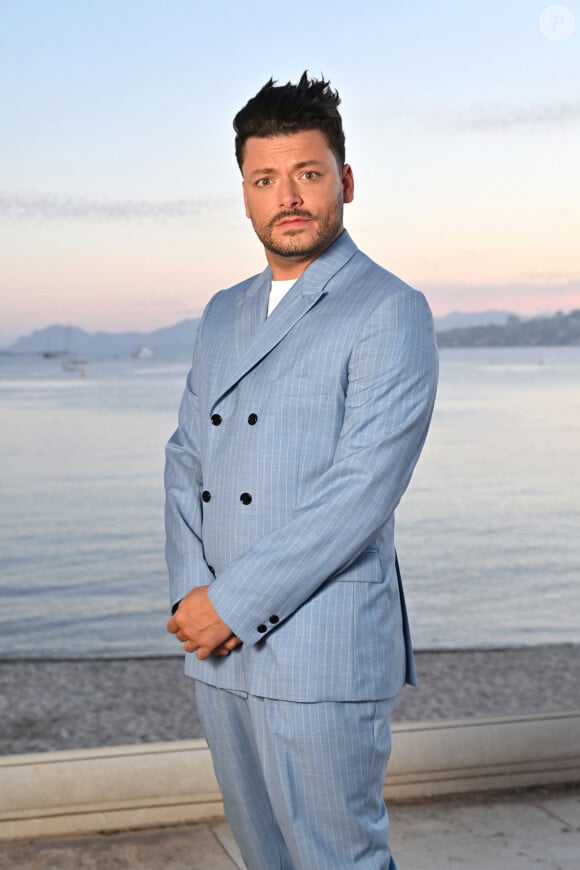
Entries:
{"x":488,"y":533}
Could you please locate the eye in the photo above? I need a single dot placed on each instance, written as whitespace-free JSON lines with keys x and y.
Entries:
{"x":310,"y":175}
{"x":263,"y":182}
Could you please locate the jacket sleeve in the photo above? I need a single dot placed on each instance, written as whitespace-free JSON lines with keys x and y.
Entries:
{"x":183,"y":549}
{"x":392,"y":381}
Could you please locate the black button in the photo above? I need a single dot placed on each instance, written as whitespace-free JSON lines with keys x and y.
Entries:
{"x":216,"y":419}
{"x":246,"y":498}
{"x":274,"y":619}
{"x":262,"y":629}
{"x":253,"y":419}
{"x":206,"y":495}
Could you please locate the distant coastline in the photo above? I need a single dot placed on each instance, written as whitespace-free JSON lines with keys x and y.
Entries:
{"x":59,"y":340}
{"x":481,"y":329}
{"x":558,"y":330}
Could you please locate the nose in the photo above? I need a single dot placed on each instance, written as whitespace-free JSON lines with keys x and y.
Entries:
{"x":289,"y":193}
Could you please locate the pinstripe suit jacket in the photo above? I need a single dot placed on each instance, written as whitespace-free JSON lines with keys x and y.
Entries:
{"x":297,"y":437}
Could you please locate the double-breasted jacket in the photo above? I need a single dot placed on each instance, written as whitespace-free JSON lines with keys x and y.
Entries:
{"x":297,"y":436}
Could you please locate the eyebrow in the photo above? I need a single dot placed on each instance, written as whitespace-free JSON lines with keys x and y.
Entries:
{"x":269,"y":170}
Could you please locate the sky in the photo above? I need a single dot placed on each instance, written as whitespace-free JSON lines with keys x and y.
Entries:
{"x":120,"y":198}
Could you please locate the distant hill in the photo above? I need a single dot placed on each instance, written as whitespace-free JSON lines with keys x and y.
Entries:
{"x":460,"y":319}
{"x":559,"y":329}
{"x":175,"y":339}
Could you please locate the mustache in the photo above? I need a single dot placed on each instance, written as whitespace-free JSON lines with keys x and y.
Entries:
{"x":291,"y":213}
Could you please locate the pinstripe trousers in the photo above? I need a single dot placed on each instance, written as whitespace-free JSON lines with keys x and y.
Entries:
{"x":301,"y":782}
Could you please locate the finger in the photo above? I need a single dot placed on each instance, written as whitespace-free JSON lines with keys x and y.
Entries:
{"x":231,"y":643}
{"x":227,"y":646}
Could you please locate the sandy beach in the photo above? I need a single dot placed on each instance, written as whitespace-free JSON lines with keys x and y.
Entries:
{"x":81,"y":703}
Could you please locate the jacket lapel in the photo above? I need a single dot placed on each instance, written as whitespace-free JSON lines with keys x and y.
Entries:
{"x":251,"y":313}
{"x":256,"y":336}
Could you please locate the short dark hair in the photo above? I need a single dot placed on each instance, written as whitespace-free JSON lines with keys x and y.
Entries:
{"x":284,"y":109}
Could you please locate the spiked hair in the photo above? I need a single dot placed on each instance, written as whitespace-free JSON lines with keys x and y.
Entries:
{"x":285,"y":109}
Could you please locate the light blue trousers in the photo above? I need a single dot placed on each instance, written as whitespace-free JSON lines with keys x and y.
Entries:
{"x":301,"y":783}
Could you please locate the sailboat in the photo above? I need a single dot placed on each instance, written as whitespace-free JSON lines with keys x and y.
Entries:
{"x":142,"y":352}
{"x":73,"y":363}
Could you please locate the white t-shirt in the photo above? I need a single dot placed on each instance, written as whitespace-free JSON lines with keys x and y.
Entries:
{"x":277,"y":291}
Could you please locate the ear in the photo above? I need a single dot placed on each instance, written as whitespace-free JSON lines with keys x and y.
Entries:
{"x":347,"y":180}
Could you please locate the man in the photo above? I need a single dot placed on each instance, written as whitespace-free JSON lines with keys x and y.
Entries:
{"x":305,"y":411}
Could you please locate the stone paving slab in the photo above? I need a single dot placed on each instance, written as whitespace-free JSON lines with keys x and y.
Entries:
{"x":535,"y":829}
{"x":521,"y":831}
{"x":196,"y":847}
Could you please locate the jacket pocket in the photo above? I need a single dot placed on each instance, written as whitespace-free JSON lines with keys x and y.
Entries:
{"x":366,"y":569}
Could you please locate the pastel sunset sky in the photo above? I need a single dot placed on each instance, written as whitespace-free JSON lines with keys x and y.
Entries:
{"x":120,"y":198}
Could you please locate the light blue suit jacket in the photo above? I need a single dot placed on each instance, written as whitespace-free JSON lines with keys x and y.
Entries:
{"x":297,"y":438}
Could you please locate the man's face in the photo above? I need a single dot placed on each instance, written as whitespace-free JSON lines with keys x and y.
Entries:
{"x":294,"y":194}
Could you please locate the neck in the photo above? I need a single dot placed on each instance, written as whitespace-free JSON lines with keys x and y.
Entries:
{"x":286,"y":267}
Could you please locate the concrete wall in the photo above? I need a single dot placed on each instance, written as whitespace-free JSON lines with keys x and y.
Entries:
{"x":56,"y":793}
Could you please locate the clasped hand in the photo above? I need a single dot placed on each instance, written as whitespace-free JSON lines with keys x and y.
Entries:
{"x":198,"y":626}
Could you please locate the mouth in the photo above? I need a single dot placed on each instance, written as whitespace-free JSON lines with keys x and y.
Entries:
{"x":293,"y":221}
{"x":293,"y":225}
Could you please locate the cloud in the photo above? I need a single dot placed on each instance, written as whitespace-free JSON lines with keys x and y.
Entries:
{"x":49,"y":207}
{"x":492,"y":117}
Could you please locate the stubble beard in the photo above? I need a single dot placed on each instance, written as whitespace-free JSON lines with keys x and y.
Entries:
{"x":292,"y":245}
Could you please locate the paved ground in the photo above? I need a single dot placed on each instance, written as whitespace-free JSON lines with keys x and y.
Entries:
{"x":78,"y":704}
{"x":537,"y":829}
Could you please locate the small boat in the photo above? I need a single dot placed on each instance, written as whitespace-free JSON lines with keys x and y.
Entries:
{"x":142,"y":352}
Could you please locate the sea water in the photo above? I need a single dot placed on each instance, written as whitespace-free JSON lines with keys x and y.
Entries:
{"x":488,"y":533}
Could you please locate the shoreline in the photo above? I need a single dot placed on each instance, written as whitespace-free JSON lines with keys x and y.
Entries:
{"x":58,"y":704}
